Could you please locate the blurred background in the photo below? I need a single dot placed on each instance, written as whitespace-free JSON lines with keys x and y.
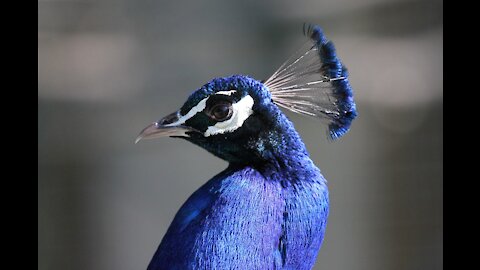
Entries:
{"x":106,"y":69}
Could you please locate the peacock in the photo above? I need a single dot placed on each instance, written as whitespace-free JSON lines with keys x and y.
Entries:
{"x":268,"y":209}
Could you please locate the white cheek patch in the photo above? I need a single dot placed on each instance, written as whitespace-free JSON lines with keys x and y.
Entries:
{"x":198,"y":108}
{"x":241,"y":111}
{"x":227,"y":93}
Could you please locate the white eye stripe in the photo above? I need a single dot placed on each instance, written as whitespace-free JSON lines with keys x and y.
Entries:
{"x":227,"y":93}
{"x":241,"y":111}
{"x":198,"y":108}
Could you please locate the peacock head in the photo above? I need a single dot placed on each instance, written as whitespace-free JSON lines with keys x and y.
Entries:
{"x":227,"y":116}
{"x":238,"y":119}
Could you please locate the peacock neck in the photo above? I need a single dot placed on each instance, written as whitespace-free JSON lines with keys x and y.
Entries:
{"x":282,"y":153}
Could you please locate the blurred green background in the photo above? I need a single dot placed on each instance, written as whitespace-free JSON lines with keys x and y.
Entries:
{"x":106,"y":69}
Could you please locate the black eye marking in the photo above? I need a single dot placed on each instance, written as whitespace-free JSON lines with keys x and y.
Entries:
{"x":221,"y":110}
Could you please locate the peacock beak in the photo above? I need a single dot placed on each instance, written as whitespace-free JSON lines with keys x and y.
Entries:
{"x":165,"y":127}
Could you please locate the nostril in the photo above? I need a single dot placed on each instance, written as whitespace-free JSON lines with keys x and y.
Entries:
{"x":169,"y":119}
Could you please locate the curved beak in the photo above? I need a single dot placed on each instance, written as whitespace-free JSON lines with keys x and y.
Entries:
{"x":166,"y":127}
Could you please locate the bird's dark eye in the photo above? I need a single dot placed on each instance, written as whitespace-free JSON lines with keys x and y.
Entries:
{"x":221,"y":111}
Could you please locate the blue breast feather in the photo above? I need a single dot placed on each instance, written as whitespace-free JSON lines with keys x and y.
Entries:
{"x":241,"y":220}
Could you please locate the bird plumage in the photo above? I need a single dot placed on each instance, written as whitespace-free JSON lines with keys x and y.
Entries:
{"x":269,"y":208}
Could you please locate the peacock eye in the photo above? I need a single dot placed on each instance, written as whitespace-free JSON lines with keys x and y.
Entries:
{"x":221,"y":111}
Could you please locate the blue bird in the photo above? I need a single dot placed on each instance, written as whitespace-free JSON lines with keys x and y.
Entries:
{"x":268,"y":209}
